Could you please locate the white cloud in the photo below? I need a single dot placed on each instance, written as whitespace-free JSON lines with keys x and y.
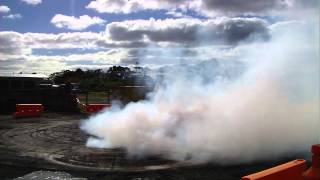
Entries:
{"x":75,"y":23}
{"x":16,"y":43}
{"x":11,"y":43}
{"x":4,"y":9}
{"x":203,"y":7}
{"x":177,"y":14}
{"x":140,"y":34}
{"x":113,"y":56}
{"x":190,"y":31}
{"x":32,"y":2}
{"x":49,"y":64}
{"x":83,"y":40}
{"x":124,"y":6}
{"x":25,"y":65}
{"x":150,"y":42}
{"x":13,"y":16}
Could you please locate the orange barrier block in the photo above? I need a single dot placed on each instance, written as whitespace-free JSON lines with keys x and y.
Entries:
{"x":28,"y":110}
{"x":289,"y":171}
{"x":93,"y":108}
{"x":313,"y":173}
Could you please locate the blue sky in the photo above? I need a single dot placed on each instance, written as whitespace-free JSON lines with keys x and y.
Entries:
{"x":36,"y":18}
{"x":69,"y":34}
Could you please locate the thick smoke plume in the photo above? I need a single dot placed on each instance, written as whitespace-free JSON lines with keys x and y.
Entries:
{"x":270,"y":110}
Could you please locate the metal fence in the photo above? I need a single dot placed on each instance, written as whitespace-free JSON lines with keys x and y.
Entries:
{"x":124,"y":94}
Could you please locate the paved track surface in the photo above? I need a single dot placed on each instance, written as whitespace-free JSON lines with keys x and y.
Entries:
{"x":55,"y":142}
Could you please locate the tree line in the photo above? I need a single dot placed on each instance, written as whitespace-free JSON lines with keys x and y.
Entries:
{"x":98,"y":79}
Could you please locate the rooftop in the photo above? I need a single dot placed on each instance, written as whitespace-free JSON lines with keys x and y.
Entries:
{"x":33,"y":75}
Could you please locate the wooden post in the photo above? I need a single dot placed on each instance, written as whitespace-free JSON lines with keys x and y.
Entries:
{"x":87,"y":94}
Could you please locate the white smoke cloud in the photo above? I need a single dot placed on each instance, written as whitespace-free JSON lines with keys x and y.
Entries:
{"x":269,"y":112}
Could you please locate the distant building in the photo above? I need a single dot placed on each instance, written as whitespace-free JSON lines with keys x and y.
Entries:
{"x":34,"y":88}
{"x":12,"y":82}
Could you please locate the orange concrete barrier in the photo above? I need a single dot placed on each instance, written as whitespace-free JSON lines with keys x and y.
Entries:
{"x":289,"y":171}
{"x":93,"y":108}
{"x":28,"y":110}
{"x":313,"y":173}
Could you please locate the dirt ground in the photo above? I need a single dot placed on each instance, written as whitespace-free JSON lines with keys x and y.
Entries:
{"x":54,"y":142}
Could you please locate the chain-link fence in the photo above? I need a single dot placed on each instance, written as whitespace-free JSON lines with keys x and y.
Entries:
{"x":124,"y":94}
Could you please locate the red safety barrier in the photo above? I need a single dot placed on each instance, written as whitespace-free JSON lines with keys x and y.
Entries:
{"x":289,"y":171}
{"x":93,"y":108}
{"x":28,"y":110}
{"x":313,"y":173}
